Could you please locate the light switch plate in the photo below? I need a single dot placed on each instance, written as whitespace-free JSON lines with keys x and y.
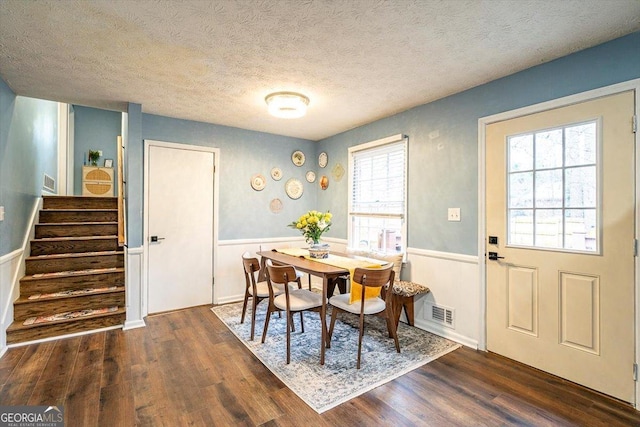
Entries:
{"x":453,"y":214}
{"x":1,"y":213}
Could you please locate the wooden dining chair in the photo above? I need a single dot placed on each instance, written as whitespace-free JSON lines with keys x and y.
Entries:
{"x":379,"y":305}
{"x":257,"y":291}
{"x":291,"y":301}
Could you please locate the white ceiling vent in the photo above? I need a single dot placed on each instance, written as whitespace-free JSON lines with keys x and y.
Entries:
{"x":440,"y":314}
{"x":49,"y":184}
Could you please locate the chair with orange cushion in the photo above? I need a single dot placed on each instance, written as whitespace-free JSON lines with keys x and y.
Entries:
{"x":373,"y":297}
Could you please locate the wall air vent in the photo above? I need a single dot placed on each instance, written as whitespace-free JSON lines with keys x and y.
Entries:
{"x":440,"y":314}
{"x":49,"y":184}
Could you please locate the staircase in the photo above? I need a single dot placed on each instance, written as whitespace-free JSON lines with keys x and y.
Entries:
{"x":75,"y":274}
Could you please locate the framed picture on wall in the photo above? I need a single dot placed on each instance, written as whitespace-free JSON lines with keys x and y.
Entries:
{"x":108,"y":163}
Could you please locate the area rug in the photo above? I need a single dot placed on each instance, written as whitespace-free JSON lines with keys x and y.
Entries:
{"x":324,"y":387}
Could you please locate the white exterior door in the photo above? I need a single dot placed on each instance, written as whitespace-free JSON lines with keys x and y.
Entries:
{"x":180,"y":227}
{"x":560,"y":201}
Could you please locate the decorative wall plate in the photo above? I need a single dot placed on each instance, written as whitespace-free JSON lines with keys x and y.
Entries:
{"x":323,"y":159}
{"x":294,"y":188}
{"x":337,"y":172}
{"x":311,"y":176}
{"x":258,"y":182}
{"x":298,"y":158}
{"x":276,"y":174}
{"x":324,"y":182}
{"x":275,"y":206}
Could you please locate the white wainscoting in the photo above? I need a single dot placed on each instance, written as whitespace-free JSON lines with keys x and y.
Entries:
{"x":453,"y":281}
{"x":11,"y":271}
{"x":10,"y":266}
{"x":229,"y":277}
{"x":135,"y":294}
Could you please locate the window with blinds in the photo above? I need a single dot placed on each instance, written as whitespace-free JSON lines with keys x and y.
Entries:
{"x":377,"y":195}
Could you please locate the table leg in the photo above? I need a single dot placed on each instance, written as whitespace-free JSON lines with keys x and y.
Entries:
{"x":323,"y":315}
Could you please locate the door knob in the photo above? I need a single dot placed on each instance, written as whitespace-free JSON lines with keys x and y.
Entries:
{"x":155,"y":239}
{"x":493,"y":256}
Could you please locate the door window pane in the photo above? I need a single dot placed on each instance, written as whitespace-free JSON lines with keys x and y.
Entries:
{"x":549,"y":189}
{"x":580,"y":187}
{"x":521,"y":227}
{"x":553,"y":188}
{"x":521,"y":190}
{"x":580,"y":229}
{"x":548,"y":228}
{"x":549,"y":149}
{"x":521,"y":153}
{"x":580,"y":144}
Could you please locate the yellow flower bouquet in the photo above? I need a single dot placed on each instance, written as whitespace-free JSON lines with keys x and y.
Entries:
{"x":312,"y":225}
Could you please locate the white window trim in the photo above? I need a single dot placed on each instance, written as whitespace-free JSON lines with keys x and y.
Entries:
{"x":374,"y":144}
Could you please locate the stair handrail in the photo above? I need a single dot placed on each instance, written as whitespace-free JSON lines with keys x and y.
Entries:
{"x":121,"y":202}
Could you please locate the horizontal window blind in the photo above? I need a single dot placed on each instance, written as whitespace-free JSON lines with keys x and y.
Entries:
{"x":378,"y":187}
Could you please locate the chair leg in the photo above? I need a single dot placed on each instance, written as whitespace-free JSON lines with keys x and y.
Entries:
{"x":309,"y":282}
{"x":360,"y":340}
{"x":289,"y":324}
{"x":293,"y":325}
{"x":244,"y":306}
{"x":391,"y":326}
{"x":254,"y":305}
{"x":334,"y":316}
{"x":302,"y":322}
{"x":266,"y":324}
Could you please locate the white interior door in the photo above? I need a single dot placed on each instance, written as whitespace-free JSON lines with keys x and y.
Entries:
{"x":560,"y":201}
{"x":180,"y":227}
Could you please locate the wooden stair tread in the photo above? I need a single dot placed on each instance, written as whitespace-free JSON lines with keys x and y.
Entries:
{"x":26,"y":300}
{"x":72,"y":238}
{"x":70,"y":273}
{"x":67,"y":224}
{"x":73,"y":255}
{"x":80,"y":210}
{"x":19,"y":326}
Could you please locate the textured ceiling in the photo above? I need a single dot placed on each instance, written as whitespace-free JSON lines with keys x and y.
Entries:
{"x":357,"y":61}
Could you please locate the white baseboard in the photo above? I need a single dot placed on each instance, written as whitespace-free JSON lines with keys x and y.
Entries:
{"x":60,"y":337}
{"x":133,"y":324}
{"x":446,"y":333}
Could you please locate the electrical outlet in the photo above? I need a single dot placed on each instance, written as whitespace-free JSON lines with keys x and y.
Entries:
{"x":453,"y":214}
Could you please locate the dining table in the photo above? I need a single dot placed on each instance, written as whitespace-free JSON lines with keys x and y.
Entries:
{"x":330,"y":275}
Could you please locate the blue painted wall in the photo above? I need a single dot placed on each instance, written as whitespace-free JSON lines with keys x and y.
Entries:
{"x":28,"y":150}
{"x":244,"y":212}
{"x":443,"y":171}
{"x":94,"y":129}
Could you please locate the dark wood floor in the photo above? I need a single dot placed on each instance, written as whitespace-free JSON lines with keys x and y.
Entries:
{"x":186,"y":368}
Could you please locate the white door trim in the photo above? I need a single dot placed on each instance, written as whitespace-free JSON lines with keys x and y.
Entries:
{"x":483,"y":122}
{"x":145,"y":235}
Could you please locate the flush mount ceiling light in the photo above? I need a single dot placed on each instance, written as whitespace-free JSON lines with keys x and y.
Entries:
{"x":287,"y":105}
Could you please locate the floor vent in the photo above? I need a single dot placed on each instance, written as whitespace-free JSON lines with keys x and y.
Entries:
{"x":440,"y":314}
{"x":49,"y":183}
